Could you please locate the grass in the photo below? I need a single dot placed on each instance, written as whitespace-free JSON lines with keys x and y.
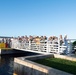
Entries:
{"x":61,"y":64}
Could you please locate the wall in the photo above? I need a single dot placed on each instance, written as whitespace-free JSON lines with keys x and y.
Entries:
{"x":9,"y":51}
{"x":6,"y":51}
{"x":65,"y":57}
{"x":26,"y":67}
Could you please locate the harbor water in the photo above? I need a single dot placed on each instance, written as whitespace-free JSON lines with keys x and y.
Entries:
{"x":7,"y":63}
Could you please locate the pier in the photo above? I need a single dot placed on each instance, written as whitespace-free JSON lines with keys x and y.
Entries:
{"x":37,"y":44}
{"x":33,"y":50}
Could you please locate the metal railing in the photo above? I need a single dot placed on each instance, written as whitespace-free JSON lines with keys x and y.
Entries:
{"x":44,"y":46}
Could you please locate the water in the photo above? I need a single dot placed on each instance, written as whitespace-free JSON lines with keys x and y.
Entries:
{"x":7,"y":63}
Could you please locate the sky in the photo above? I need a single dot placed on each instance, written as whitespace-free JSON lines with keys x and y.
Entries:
{"x":38,"y":17}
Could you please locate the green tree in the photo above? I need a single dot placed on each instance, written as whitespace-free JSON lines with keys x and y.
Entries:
{"x":74,"y":44}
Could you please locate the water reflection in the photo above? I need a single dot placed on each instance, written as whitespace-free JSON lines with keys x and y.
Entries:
{"x":6,"y":65}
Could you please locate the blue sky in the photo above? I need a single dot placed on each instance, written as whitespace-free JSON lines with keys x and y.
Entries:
{"x":38,"y":17}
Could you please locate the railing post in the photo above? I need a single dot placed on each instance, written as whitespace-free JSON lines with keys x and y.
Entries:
{"x":29,"y":44}
{"x":47,"y":46}
{"x":58,"y":45}
{"x":69,"y":46}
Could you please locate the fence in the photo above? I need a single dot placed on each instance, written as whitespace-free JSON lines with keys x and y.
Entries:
{"x":43,"y":46}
